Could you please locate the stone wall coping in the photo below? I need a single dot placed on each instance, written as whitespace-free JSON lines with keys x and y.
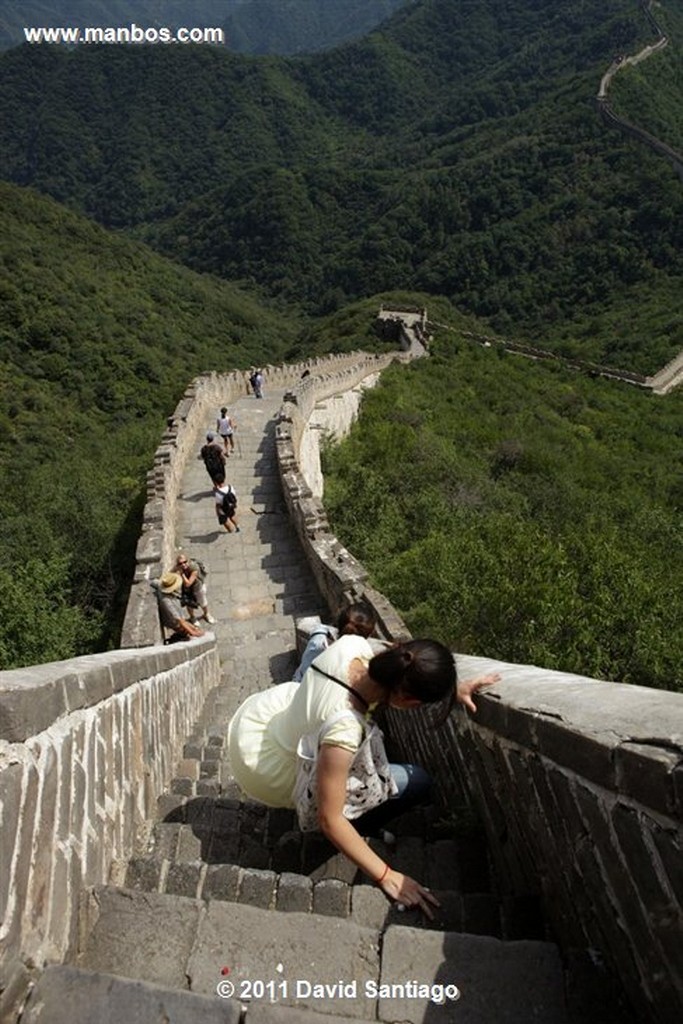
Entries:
{"x":35,"y":697}
{"x":638,"y":714}
{"x":625,"y":738}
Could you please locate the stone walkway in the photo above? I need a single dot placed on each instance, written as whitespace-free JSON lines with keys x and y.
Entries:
{"x":258,"y":580}
{"x":230,"y":900}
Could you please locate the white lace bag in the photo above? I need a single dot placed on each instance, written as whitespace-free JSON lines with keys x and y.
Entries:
{"x":369,"y":782}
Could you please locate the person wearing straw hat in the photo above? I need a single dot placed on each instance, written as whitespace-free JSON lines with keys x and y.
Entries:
{"x":169,"y":591}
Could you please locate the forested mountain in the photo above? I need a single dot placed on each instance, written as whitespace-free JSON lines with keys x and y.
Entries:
{"x":517,"y":511}
{"x":458,"y":151}
{"x":250,"y":26}
{"x":98,"y":339}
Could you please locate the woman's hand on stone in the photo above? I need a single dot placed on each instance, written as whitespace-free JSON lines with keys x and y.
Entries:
{"x":408,"y":893}
{"x":466,"y":688}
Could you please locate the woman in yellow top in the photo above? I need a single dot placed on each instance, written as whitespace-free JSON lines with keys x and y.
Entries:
{"x":264,"y":734}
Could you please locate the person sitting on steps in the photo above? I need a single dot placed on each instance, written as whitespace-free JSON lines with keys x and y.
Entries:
{"x":168,"y":591}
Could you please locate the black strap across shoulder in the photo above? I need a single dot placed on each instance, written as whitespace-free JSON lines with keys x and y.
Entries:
{"x":346,"y":686}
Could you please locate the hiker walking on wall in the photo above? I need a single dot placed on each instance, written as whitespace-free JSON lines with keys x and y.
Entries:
{"x":214,"y":459}
{"x":226,"y":507}
{"x":256,"y":381}
{"x":225,"y":426}
{"x":194,"y":597}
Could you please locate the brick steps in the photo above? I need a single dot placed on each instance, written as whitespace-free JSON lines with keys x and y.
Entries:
{"x":183,"y":943}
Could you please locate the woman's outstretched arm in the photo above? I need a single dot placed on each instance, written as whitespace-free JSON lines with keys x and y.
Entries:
{"x":333,"y":770}
{"x":467,"y":687}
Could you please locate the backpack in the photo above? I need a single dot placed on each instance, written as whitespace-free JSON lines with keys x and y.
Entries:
{"x":203,"y":571}
{"x":229,"y":501}
{"x":212,"y":457}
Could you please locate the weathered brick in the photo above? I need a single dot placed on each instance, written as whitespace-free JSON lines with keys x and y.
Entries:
{"x":190,"y":845}
{"x":183,"y":879}
{"x":257,"y":888}
{"x":332,"y":897}
{"x":645,"y":773}
{"x":10,"y":812}
{"x":591,"y":757}
{"x":222,"y":882}
{"x":144,"y":874}
{"x":294,"y":892}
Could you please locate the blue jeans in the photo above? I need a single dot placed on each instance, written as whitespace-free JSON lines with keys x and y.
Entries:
{"x":414,"y":787}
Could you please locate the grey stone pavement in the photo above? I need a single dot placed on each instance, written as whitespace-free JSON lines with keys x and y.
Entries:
{"x":258,"y":580}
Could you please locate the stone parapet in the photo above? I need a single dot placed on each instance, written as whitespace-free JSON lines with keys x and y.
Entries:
{"x":197,"y":410}
{"x":579,"y":782}
{"x":87,"y":746}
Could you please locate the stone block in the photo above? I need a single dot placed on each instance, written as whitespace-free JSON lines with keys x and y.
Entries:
{"x":11,"y":778}
{"x":70,"y":995}
{"x":184,"y":879}
{"x":320,"y":949}
{"x":31,"y":699}
{"x":222,"y":882}
{"x":591,"y":757}
{"x":294,"y":893}
{"x":164,"y":928}
{"x":15,"y":980}
{"x":645,"y":774}
{"x":257,"y":888}
{"x":191,"y":842}
{"x":487,"y":980}
{"x":144,"y":874}
{"x":664,"y":917}
{"x":332,"y":898}
{"x":369,"y":906}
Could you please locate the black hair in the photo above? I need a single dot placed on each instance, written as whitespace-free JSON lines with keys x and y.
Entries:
{"x":423,"y":669}
{"x":356,"y":620}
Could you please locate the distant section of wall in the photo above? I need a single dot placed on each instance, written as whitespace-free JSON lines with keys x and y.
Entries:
{"x":579,"y":782}
{"x":86,"y":747}
{"x":197,"y":408}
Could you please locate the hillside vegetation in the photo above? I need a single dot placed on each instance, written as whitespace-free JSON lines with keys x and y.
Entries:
{"x":99,"y":338}
{"x":519,"y":512}
{"x":456,"y":151}
{"x":452,"y":159}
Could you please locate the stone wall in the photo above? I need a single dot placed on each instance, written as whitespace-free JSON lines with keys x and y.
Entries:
{"x":579,"y":782}
{"x":86,"y":747}
{"x":196,"y":410}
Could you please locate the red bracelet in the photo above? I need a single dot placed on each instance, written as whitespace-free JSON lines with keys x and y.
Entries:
{"x":383,"y":875}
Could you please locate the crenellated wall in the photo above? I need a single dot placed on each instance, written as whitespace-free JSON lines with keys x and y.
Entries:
{"x":579,"y":781}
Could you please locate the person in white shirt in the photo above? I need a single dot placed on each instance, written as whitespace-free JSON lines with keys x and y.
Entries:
{"x":225,"y":426}
{"x":226,"y":507}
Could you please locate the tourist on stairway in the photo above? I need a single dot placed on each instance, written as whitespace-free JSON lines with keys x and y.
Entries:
{"x":264,"y":736}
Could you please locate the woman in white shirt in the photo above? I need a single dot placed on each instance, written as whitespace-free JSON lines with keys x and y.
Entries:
{"x":264,"y":734}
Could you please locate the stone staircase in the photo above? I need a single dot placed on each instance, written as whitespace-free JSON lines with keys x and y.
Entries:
{"x":230,"y":893}
{"x":231,"y":914}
